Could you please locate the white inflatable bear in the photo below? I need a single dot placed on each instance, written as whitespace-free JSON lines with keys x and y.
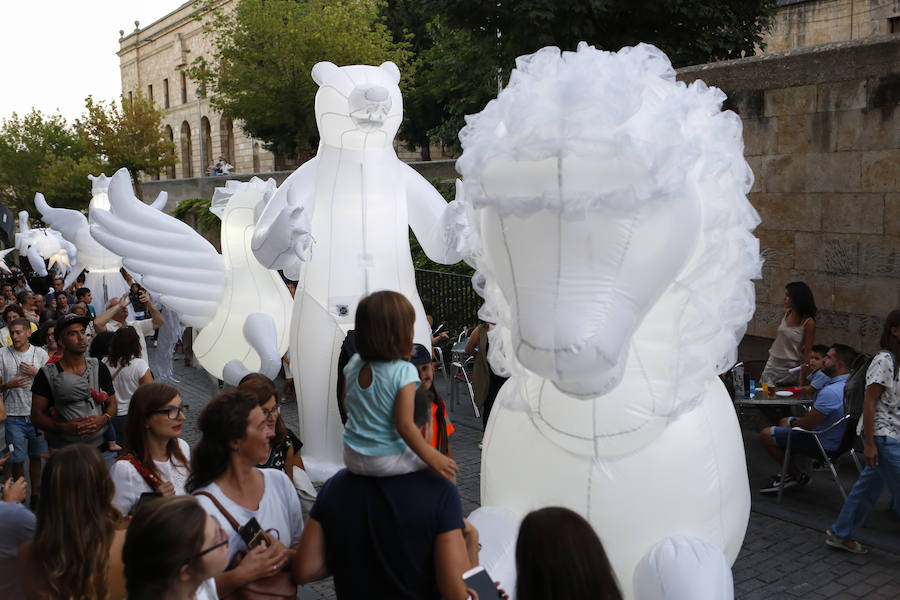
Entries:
{"x":345,"y":214}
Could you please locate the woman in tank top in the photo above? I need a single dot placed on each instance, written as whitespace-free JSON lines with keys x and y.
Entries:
{"x":796,"y":335}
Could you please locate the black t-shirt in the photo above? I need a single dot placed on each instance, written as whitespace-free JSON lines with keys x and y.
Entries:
{"x":41,"y":386}
{"x":380,"y":532}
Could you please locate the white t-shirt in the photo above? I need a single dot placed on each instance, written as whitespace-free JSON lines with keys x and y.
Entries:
{"x":18,"y":400}
{"x":126,"y":382}
{"x":279,"y":509}
{"x":130,"y":484}
{"x":887,"y":409}
{"x":207,"y":590}
{"x":143,"y":327}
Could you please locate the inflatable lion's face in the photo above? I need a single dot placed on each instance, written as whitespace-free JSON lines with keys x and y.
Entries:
{"x":358,"y":107}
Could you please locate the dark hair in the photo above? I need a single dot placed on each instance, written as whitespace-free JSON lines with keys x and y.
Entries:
{"x":801,"y":298}
{"x":63,"y":294}
{"x":164,"y":535}
{"x":43,"y":333}
{"x":845,"y":354}
{"x":820,"y":348}
{"x":100,"y":344}
{"x":422,"y":408}
{"x":22,"y":296}
{"x":384,"y":326}
{"x":427,"y":404}
{"x":262,"y":388}
{"x":82,"y":292}
{"x":12,"y":307}
{"x":75,"y":523}
{"x":223,"y":420}
{"x":889,"y":341}
{"x":125,"y":347}
{"x":146,"y":399}
{"x":558,"y":555}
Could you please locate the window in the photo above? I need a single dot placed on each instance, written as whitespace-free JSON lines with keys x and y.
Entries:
{"x":166,"y":93}
{"x":150,"y":93}
{"x":183,"y":88}
{"x":894,"y":25}
{"x":130,"y":99}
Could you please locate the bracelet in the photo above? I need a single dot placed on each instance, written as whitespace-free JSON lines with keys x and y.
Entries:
{"x":109,"y":418}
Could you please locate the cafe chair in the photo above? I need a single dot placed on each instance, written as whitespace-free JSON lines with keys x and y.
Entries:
{"x":462,"y":375}
{"x":829,"y":457}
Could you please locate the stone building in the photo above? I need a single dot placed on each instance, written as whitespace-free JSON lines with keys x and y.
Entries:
{"x":802,"y":23}
{"x":153,"y":60}
{"x":822,"y":135}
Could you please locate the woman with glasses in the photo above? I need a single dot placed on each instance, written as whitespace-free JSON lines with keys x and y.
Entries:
{"x":230,"y":487}
{"x":129,"y":371}
{"x":173,"y":550}
{"x":155,"y":459}
{"x":285,"y":453}
{"x":77,"y":547}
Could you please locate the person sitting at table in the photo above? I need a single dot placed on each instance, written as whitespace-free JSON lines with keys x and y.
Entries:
{"x":817,"y":379}
{"x":827,"y":409}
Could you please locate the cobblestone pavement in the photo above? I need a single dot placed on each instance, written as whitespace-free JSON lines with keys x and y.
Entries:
{"x":779,"y":558}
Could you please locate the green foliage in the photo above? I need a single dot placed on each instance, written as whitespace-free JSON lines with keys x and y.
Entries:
{"x":264,"y":51}
{"x":195,"y":212}
{"x":128,"y":134}
{"x":40,"y":153}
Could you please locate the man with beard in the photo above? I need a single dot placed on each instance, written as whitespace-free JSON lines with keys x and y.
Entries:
{"x":827,"y":409}
{"x":69,"y":398}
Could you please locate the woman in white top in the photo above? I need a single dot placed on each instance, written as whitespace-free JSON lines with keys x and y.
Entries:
{"x":172,"y":550}
{"x":236,"y":439}
{"x":796,"y":335}
{"x":128,"y":371}
{"x":155,"y":458}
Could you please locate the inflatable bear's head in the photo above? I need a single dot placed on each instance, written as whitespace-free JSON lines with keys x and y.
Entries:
{"x":358,"y":107}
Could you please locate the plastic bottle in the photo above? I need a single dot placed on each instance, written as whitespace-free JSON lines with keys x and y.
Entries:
{"x":752,"y":389}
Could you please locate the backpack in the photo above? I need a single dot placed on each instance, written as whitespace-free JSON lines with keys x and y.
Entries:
{"x":855,"y":387}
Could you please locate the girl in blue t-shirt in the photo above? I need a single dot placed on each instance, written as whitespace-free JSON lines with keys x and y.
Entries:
{"x":381,"y":438}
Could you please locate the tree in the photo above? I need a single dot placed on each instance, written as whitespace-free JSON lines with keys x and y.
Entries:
{"x":128,"y":135}
{"x":264,"y":51}
{"x":40,"y":153}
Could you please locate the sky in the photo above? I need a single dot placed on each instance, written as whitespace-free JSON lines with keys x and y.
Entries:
{"x":54,"y":53}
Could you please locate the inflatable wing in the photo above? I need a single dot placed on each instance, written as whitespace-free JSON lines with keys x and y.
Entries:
{"x":44,"y":244}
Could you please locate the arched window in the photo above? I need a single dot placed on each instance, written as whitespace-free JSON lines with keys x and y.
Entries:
{"x":207,"y":156}
{"x":256,"y":157}
{"x":226,"y":138}
{"x":186,"y":155}
{"x":170,"y":135}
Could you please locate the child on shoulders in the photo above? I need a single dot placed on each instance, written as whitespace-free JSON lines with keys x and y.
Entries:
{"x":380,"y":438}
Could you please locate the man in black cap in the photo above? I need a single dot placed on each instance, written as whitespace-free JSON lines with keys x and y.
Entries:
{"x":69,"y":398}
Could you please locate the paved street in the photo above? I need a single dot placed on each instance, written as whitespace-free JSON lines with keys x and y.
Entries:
{"x":783,"y":556}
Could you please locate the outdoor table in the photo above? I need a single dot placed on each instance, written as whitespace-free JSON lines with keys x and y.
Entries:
{"x":798,"y":399}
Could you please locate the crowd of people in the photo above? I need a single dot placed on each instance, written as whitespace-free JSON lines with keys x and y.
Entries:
{"x":223,"y":519}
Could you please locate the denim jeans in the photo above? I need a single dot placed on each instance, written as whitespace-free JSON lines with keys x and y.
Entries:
{"x":869,"y":486}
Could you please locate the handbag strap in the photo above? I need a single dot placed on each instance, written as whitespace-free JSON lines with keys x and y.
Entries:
{"x":151,"y":479}
{"x":231,"y":520}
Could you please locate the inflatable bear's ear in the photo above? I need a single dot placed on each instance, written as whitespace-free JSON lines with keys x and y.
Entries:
{"x":392,"y":69}
{"x":323,"y":71}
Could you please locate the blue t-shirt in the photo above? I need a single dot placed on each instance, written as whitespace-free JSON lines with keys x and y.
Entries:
{"x":830,"y":402}
{"x":380,"y":532}
{"x":370,"y":428}
{"x":817,"y":379}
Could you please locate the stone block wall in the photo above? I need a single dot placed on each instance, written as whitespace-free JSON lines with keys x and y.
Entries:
{"x":803,"y":23}
{"x":822,"y":135}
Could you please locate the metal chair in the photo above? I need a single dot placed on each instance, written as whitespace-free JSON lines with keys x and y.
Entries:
{"x":463,"y":375}
{"x":441,"y":366}
{"x":827,"y":456}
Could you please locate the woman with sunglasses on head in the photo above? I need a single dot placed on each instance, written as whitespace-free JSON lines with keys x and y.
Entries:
{"x":261,"y":503}
{"x":155,"y":458}
{"x":173,"y":550}
{"x":285,"y":454}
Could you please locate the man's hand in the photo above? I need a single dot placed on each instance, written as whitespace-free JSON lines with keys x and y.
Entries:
{"x":18,"y":382}
{"x":145,"y":298}
{"x":27,"y":369}
{"x":14,"y":491}
{"x":871,"y":454}
{"x":86,"y":427}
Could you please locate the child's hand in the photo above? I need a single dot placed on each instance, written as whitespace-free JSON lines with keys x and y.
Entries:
{"x":443,"y":465}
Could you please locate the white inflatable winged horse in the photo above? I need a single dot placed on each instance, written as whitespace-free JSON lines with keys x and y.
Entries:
{"x":241,"y":308}
{"x":612,"y":238}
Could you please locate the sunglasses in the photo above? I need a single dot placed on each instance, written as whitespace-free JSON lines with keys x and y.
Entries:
{"x":171,"y":411}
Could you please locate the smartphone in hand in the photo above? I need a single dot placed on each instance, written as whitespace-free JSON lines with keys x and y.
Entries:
{"x":252,"y":533}
{"x":478,"y":579}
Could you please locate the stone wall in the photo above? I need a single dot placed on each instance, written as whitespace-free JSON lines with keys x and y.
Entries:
{"x":203,"y":187}
{"x":803,"y":23}
{"x":822,"y":135}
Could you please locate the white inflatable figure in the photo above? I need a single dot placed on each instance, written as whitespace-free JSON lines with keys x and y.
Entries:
{"x":102,"y":275}
{"x":44,"y":244}
{"x":346,"y":214}
{"x":241,"y":308}
{"x":3,"y":266}
{"x":613,"y":239}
